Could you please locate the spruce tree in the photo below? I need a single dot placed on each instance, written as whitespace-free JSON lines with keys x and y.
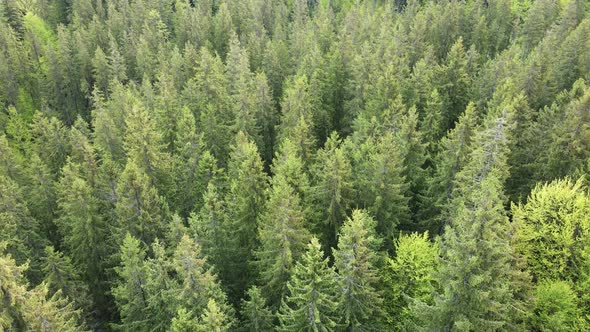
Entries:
{"x":311,"y":303}
{"x":332,"y":190}
{"x":62,"y":278}
{"x":197,"y":281}
{"x":245,"y":203}
{"x":130,"y":292}
{"x":477,"y":269}
{"x":381,"y":185}
{"x":453,"y":156}
{"x":214,"y":319}
{"x":282,"y":240}
{"x":355,"y":260}
{"x":140,"y":209}
{"x":256,"y":315}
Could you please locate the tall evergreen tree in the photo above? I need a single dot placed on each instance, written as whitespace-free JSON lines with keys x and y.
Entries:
{"x":477,"y":271}
{"x":198,"y":283}
{"x":452,"y":158}
{"x":140,"y":210}
{"x":332,"y":190}
{"x":245,"y":203}
{"x":282,"y":240}
{"x":311,"y":303}
{"x":355,"y":259}
{"x":129,"y":292}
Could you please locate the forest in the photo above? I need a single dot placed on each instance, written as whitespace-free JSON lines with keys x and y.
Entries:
{"x":294,"y":165}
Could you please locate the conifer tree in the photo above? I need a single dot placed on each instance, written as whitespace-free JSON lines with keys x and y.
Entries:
{"x":256,"y":315}
{"x":183,"y":322}
{"x":42,"y":197}
{"x":18,"y":228}
{"x":282,"y":240}
{"x":382,"y":186}
{"x":453,"y":156}
{"x":296,"y":106}
{"x":32,"y":310}
{"x":477,"y":270}
{"x":198,"y":283}
{"x":62,"y":279}
{"x":81,"y":224}
{"x":332,"y":190}
{"x":214,"y":319}
{"x":130,"y":291}
{"x":245,"y":202}
{"x":355,"y":260}
{"x":289,"y":166}
{"x":409,"y":275}
{"x":189,"y":161}
{"x":50,"y":141}
{"x":139,"y":209}
{"x":311,"y":303}
{"x":144,"y":146}
{"x":161,"y":288}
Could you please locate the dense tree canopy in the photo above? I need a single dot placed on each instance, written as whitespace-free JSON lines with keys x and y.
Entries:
{"x":294,"y":165}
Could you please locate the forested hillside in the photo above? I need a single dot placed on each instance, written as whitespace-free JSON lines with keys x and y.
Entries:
{"x":294,"y":165}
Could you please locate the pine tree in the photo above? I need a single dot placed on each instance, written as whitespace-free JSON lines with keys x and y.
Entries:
{"x":189,"y":182}
{"x":50,"y":141}
{"x":355,"y":259}
{"x":161,"y":289}
{"x":255,"y":313}
{"x":183,"y":322}
{"x":414,"y":156}
{"x":381,"y":184}
{"x":82,"y":225}
{"x":296,"y":106}
{"x":282,"y":240}
{"x":41,"y":199}
{"x":208,"y":97}
{"x":409,"y":275}
{"x":33,"y":309}
{"x":311,"y":303}
{"x":19,"y":229}
{"x":289,"y":166}
{"x":145,"y":148}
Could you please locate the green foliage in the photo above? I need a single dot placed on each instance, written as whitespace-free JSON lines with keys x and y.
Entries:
{"x":283,"y":237}
{"x":257,"y":316}
{"x":311,"y":303}
{"x":179,"y":156}
{"x":556,"y":308}
{"x":409,"y":275}
{"x":355,"y":260}
{"x":549,"y":229}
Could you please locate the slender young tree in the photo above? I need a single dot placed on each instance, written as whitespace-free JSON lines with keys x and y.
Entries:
{"x":256,"y":315}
